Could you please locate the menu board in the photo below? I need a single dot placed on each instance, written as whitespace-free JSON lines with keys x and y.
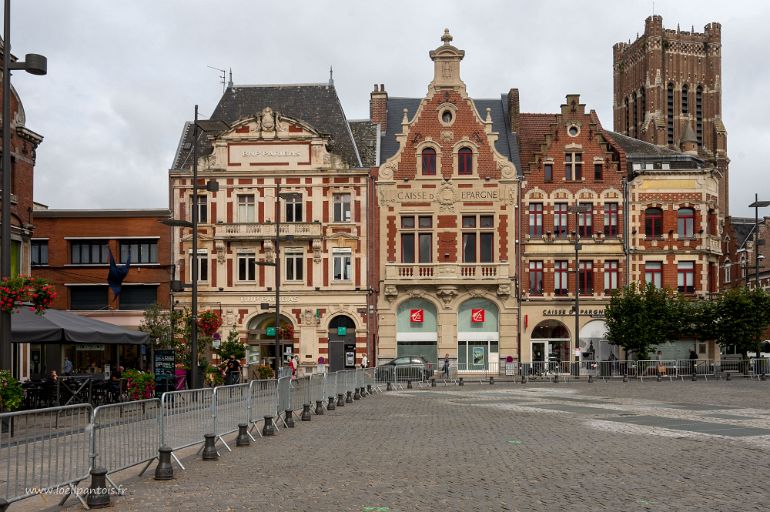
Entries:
{"x":164,"y":369}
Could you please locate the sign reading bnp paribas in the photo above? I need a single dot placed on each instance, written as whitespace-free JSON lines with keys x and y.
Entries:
{"x":254,"y":155}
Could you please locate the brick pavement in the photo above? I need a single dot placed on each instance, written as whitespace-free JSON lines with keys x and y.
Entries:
{"x":490,"y":448}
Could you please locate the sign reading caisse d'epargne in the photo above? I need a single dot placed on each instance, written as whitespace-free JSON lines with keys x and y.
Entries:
{"x":416,"y":315}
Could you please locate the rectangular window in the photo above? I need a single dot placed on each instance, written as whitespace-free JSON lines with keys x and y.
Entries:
{"x":39,"y":254}
{"x":560,"y":283}
{"x":548,"y":173}
{"x":89,"y":252}
{"x":203,"y":211}
{"x":247,"y":266}
{"x":483,"y":235}
{"x":138,"y":298}
{"x":422,"y":235}
{"x":573,"y":166}
{"x":426,"y":247}
{"x":610,"y":275}
{"x":342,"y":264}
{"x":611,"y":220}
{"x":653,"y":273}
{"x":728,"y":272}
{"x":585,"y":220}
{"x":685,"y":276}
{"x":598,"y":172}
{"x":407,"y":247}
{"x":536,"y":277}
{"x":685,"y":223}
{"x":535,"y":219}
{"x":653,"y":222}
{"x":203,"y":266}
{"x":293,"y":203}
{"x":294,"y":265}
{"x":140,"y":251}
{"x":246,"y":208}
{"x":341,"y":207}
{"x":586,"y":276}
{"x":88,"y":297}
{"x":560,"y":227}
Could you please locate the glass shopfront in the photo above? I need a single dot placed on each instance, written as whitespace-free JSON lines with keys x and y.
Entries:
{"x":417,"y":332}
{"x":478,"y":336}
{"x":551,"y":342}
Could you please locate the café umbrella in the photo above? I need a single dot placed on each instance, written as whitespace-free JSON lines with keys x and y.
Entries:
{"x":57,"y":326}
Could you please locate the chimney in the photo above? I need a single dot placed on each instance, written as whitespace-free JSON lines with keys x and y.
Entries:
{"x":378,"y":107}
{"x":513,"y":109}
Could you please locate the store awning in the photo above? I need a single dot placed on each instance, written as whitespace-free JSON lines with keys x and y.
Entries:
{"x":56,"y":326}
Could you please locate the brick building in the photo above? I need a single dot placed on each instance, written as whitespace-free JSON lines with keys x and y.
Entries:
{"x":72,"y":248}
{"x":739,"y":261}
{"x":287,"y":154}
{"x":446,"y":219}
{"x":568,"y":161}
{"x":668,"y":88}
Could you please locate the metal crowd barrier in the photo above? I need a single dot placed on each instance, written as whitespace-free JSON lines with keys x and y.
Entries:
{"x":300,"y":393}
{"x":230,"y":408}
{"x":263,"y":401}
{"x":284,"y":396}
{"x":369,"y":378}
{"x":125,"y":435}
{"x":185,"y":417}
{"x":317,"y":388}
{"x":44,"y":449}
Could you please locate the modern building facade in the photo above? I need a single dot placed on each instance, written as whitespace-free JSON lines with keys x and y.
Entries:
{"x":282,"y":206}
{"x":446,"y":220}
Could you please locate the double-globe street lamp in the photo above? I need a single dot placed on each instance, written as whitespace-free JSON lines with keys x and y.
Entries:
{"x":757,"y":204}
{"x":37,"y":65}
{"x":578,"y":209}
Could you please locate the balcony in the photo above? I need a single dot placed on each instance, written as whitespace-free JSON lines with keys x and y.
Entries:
{"x":446,"y":272}
{"x":255,"y":231}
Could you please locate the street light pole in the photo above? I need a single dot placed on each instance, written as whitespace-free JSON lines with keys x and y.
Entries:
{"x":278,"y":355}
{"x":194,"y":381}
{"x":577,"y":209}
{"x":36,"y":65}
{"x":757,"y":204}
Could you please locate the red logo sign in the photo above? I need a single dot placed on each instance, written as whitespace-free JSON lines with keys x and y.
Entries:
{"x":416,"y":315}
{"x":477,"y":316}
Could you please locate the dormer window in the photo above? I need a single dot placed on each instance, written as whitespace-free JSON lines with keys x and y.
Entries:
{"x":465,"y":162}
{"x":429,"y":162}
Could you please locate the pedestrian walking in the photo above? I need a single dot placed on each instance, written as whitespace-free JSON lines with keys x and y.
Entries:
{"x":232,"y":371}
{"x":445,"y":367}
{"x":364,"y":362}
{"x":693,"y":360}
{"x":661,"y":368}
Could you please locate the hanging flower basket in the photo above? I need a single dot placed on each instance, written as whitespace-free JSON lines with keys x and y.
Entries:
{"x":38,"y":293}
{"x":285,"y":333}
{"x":209,"y":322}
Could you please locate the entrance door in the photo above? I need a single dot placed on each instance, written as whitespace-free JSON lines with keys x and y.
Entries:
{"x":538,"y":352}
{"x":336,"y":355}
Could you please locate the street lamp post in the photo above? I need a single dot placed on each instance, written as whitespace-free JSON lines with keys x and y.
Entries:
{"x":278,"y":355}
{"x":37,"y":65}
{"x":757,"y":204}
{"x":577,"y":209}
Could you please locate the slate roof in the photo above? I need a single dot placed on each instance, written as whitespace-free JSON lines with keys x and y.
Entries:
{"x":365,"y":135}
{"x":506,"y":143}
{"x":315,"y":104}
{"x":638,"y":149}
{"x":743,"y":227}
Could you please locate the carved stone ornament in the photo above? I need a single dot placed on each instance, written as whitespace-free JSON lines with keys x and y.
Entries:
{"x":416,"y":293}
{"x":446,"y":197}
{"x":317,"y":245}
{"x":391,"y":292}
{"x":447,"y":135}
{"x":268,"y":119}
{"x":387,"y":172}
{"x":447,"y":294}
{"x":477,"y":292}
{"x":267,"y":245}
{"x":507,"y":171}
{"x":309,"y":318}
{"x":220,"y":248}
{"x":504,"y":289}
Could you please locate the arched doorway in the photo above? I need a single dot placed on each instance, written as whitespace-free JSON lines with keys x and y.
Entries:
{"x":593,"y":342}
{"x":478,"y":338}
{"x":261,"y":338}
{"x":550,"y":341}
{"x":417,"y":333}
{"x":342,"y":343}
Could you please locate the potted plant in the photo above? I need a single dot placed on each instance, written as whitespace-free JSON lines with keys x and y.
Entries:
{"x":141,"y":385}
{"x":214,"y":376}
{"x":264,"y":372}
{"x":11,"y":393}
{"x":209,"y":322}
{"x":14,"y":291}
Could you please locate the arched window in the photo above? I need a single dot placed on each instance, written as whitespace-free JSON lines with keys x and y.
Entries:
{"x":653,"y":222}
{"x":429,"y":162}
{"x":465,"y":162}
{"x":670,"y":114}
{"x":685,"y":99}
{"x":699,"y":114}
{"x":685,"y":222}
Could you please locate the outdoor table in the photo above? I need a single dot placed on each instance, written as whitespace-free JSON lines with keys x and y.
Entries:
{"x":73,"y":386}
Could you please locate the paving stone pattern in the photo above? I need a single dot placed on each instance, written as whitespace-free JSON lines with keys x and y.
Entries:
{"x":491,"y":448}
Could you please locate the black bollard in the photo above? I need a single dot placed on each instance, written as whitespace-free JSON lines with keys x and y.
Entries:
{"x":4,"y":505}
{"x":433,"y":383}
{"x":243,"y":435}
{"x":331,"y":405}
{"x":305,"y":416}
{"x":357,"y":394}
{"x":349,"y":398}
{"x":590,"y":379}
{"x":728,"y":376}
{"x":319,"y":407}
{"x":340,"y":399}
{"x":209,"y":450}
{"x":409,"y":384}
{"x":368,"y":389}
{"x":389,"y":387}
{"x":268,"y":429}
{"x":625,"y":377}
{"x":164,"y":470}
{"x":461,"y":383}
{"x":491,"y":380}
{"x":556,"y":378}
{"x":288,"y":418}
{"x":763,"y":377}
{"x":658,"y":378}
{"x":694,"y":377}
{"x":523,"y":379}
{"x":98,"y":493}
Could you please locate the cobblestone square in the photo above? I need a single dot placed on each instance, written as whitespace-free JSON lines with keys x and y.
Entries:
{"x":510,"y":447}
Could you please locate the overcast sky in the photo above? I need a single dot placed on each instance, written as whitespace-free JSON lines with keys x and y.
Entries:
{"x":124,"y":75}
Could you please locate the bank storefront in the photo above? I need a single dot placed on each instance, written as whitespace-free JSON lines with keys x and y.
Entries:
{"x":478,"y":339}
{"x":417,"y":330}
{"x":548,"y":334}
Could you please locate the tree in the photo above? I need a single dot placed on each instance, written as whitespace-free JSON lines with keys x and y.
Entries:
{"x":640,"y":318}
{"x":232,"y":345}
{"x":741,"y":317}
{"x":163,"y":326}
